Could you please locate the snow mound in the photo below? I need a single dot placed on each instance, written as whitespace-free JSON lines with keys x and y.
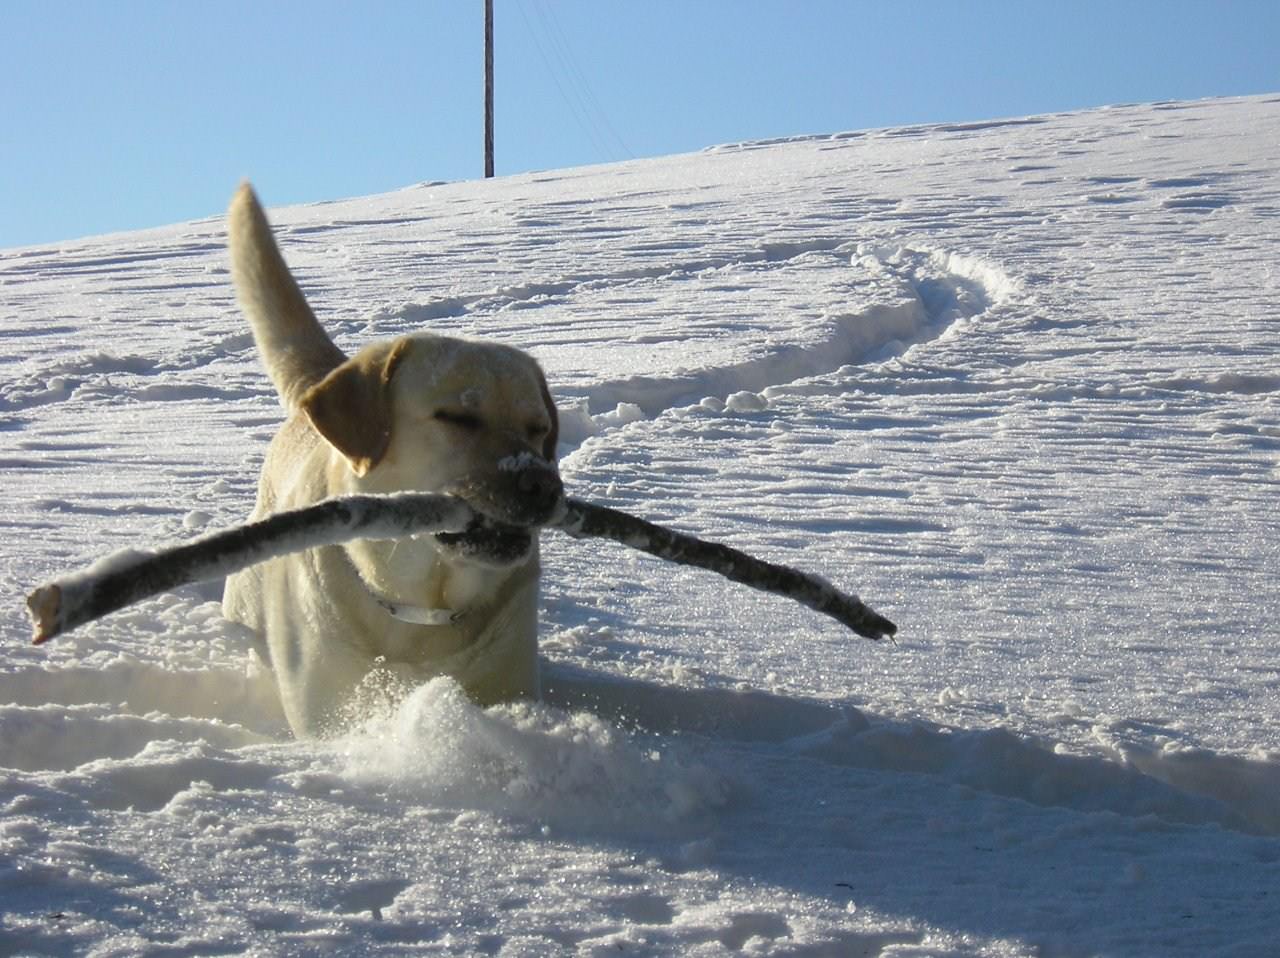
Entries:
{"x":1184,"y":788}
{"x":531,"y":760}
{"x":59,"y":737}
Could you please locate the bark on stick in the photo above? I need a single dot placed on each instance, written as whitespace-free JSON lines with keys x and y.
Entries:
{"x":122,"y":580}
{"x":584,"y":519}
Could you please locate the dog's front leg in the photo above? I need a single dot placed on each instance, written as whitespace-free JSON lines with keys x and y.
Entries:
{"x":318,"y":668}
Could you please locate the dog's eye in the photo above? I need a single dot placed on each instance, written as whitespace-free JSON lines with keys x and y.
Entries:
{"x":463,"y":420}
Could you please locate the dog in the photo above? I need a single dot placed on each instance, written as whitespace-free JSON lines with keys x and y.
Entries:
{"x":419,"y":413}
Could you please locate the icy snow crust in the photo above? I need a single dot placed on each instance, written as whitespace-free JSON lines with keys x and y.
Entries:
{"x":1015,"y":383}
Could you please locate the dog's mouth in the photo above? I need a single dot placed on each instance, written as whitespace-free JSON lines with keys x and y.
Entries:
{"x":489,"y":542}
{"x":510,"y":505}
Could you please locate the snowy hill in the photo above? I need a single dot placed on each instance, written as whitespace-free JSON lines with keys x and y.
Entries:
{"x":1016,"y":383}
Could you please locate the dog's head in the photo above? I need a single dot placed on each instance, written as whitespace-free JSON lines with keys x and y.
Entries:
{"x":428,"y":413}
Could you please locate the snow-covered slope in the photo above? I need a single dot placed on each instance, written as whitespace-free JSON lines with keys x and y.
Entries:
{"x":1016,"y":383}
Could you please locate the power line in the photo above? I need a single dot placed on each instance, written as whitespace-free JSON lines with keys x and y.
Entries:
{"x":578,"y":96}
{"x":576,"y":75}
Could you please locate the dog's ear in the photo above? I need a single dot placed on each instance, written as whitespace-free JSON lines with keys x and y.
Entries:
{"x":351,"y":407}
{"x":553,"y":437}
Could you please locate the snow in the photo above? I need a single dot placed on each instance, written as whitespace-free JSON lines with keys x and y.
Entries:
{"x":1014,"y":383}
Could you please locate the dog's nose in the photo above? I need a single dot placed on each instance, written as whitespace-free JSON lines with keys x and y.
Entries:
{"x":524,"y":491}
{"x":540,"y":490}
{"x":541,"y":484}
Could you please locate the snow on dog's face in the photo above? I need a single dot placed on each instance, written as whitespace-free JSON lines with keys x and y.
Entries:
{"x":428,"y":413}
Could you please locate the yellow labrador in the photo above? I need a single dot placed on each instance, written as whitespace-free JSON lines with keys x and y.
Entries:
{"x":421,"y":413}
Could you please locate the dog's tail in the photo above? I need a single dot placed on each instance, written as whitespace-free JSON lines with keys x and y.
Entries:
{"x":294,"y":347}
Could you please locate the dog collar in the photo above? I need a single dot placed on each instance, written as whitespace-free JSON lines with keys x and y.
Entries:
{"x":404,"y":611}
{"x":416,"y":614}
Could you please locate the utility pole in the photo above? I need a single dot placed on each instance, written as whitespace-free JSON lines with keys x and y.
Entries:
{"x":488,"y":88}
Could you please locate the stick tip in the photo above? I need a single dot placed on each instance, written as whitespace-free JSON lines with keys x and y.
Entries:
{"x":45,"y":607}
{"x":884,"y":628}
{"x":870,"y":624}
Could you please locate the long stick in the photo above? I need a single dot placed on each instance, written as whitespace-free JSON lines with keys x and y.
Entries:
{"x":120,"y":581}
{"x":584,"y":519}
{"x":106,"y":587}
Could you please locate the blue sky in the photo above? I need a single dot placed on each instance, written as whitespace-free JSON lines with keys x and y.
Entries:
{"x":134,"y":113}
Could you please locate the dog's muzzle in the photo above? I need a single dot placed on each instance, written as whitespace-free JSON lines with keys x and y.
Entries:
{"x":525,"y":490}
{"x":523,"y":493}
